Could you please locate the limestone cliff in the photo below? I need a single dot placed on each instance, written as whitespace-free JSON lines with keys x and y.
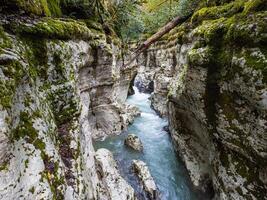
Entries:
{"x":60,"y":85}
{"x":210,"y":79}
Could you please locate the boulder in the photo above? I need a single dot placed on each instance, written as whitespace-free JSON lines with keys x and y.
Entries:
{"x":112,"y":185}
{"x":128,"y":113}
{"x":134,"y":142}
{"x":147,"y":181}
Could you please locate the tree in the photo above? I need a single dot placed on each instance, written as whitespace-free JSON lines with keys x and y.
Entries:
{"x":186,"y":9}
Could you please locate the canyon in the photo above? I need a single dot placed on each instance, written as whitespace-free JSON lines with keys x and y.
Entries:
{"x":63,"y":86}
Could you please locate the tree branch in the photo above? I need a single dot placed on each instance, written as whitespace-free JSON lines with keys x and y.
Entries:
{"x":162,"y":31}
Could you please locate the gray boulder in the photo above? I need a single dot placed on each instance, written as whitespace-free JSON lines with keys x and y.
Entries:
{"x":147,"y":181}
{"x":134,"y":142}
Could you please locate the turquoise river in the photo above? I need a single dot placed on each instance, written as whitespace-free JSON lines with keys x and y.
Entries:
{"x":165,"y":166}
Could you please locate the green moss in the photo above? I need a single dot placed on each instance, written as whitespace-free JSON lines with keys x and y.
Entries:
{"x":224,"y":156}
{"x":237,"y":165}
{"x":211,"y":30}
{"x":229,"y":22}
{"x":199,"y":56}
{"x":32,"y":190}
{"x":26,"y":163}
{"x":4,"y":166}
{"x":239,"y":30}
{"x":249,"y":171}
{"x":247,"y":30}
{"x":67,"y":113}
{"x":36,"y":54}
{"x":56,"y":29}
{"x":257,"y":60}
{"x":25,"y":128}
{"x":216,"y":12}
{"x":4,"y":40}
{"x":64,"y":106}
{"x":54,"y":7}
{"x":39,"y":144}
{"x":255,"y":5}
{"x":54,"y":179}
{"x":92,"y":24}
{"x":13,"y":71}
{"x":36,"y":7}
{"x":33,"y":7}
{"x":59,"y":66}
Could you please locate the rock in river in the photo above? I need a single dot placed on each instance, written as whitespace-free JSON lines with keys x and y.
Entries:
{"x":134,"y":142}
{"x":112,"y":185}
{"x":148,"y":183}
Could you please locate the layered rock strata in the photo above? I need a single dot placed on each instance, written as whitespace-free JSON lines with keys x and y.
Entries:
{"x":61,"y":84}
{"x":210,"y":79}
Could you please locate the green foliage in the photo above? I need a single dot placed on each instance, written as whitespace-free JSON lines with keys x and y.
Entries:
{"x":125,"y":16}
{"x":54,"y":7}
{"x":156,"y":16}
{"x":132,"y":19}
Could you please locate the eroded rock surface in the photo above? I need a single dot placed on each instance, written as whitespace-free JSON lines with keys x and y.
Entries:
{"x":147,"y":181}
{"x":112,"y":185}
{"x":61,"y":83}
{"x":210,"y":79}
{"x":134,"y":142}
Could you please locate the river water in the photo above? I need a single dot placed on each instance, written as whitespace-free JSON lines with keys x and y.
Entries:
{"x":167,"y":170}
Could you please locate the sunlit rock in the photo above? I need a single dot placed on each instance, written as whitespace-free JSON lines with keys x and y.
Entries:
{"x":134,"y":142}
{"x":147,"y":181}
{"x":112,"y":185}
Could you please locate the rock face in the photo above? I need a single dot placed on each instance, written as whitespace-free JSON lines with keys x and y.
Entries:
{"x":156,"y":66}
{"x":134,"y":142}
{"x":60,"y":85}
{"x":144,"y":80}
{"x":214,"y":84}
{"x":146,"y":179}
{"x":107,"y":170}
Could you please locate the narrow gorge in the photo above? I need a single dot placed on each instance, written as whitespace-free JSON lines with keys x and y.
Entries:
{"x":84,"y":116}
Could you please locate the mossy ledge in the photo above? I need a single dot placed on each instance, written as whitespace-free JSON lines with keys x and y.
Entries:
{"x":216,"y":12}
{"x":237,"y":29}
{"x":63,"y":29}
{"x":32,"y":7}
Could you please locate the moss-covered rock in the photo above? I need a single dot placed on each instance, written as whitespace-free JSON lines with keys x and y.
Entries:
{"x":199,"y":56}
{"x":54,"y":7}
{"x":56,"y":29}
{"x":78,"y":8}
{"x":238,"y":29}
{"x":247,"y":30}
{"x":215,"y":12}
{"x":32,"y":7}
{"x":223,"y":95}
{"x":252,"y":6}
{"x":4,"y":40}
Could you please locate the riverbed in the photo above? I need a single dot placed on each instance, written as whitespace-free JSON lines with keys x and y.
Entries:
{"x":166,"y":168}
